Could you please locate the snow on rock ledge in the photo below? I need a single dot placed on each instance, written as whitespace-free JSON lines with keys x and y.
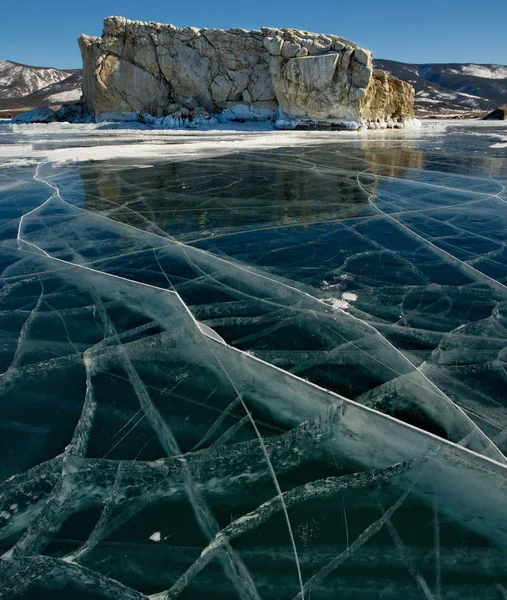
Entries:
{"x":298,"y":78}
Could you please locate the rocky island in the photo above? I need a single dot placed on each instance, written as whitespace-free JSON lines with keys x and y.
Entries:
{"x":181,"y":76}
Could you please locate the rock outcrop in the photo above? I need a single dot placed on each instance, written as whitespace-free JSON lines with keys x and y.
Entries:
{"x":300,"y":78}
{"x":73,"y":113}
{"x":499,"y":114}
{"x":44,"y":114}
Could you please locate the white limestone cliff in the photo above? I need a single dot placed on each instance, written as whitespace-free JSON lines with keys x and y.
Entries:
{"x":302,"y":79}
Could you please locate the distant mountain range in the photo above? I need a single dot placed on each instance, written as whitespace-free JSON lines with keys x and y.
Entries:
{"x":24,"y":86}
{"x":442,"y":90}
{"x":452,"y":89}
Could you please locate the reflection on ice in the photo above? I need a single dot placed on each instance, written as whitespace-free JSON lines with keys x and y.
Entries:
{"x":263,"y":375}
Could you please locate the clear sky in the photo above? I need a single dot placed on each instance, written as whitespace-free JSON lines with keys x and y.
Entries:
{"x":44,"y":32}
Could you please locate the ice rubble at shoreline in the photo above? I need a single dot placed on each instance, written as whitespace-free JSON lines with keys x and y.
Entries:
{"x":241,"y":115}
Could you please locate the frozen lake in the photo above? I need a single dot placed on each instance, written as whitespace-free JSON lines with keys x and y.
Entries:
{"x":250,"y":364}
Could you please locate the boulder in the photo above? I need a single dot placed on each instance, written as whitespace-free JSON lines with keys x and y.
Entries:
{"x":44,"y":114}
{"x":499,"y":114}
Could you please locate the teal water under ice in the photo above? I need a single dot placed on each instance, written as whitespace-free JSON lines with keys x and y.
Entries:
{"x":253,"y":364}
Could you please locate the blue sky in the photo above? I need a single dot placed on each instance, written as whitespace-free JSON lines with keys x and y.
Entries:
{"x":44,"y":33}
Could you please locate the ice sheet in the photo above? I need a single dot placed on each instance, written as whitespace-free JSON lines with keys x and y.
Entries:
{"x":253,"y":369}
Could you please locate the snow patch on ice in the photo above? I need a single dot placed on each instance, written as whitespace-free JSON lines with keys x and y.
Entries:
{"x":337,"y":303}
{"x":349,"y":296}
{"x":138,"y":142}
{"x":147,"y":143}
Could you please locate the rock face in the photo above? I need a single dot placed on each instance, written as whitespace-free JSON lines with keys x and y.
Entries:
{"x":301,"y":78}
{"x":499,"y":114}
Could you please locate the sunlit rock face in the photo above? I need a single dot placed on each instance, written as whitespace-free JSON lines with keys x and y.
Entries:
{"x":300,"y":78}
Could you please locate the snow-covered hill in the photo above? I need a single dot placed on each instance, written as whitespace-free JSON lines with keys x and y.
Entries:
{"x":485,"y":71}
{"x":17,"y":80}
{"x":452,"y":89}
{"x":24,"y":87}
{"x":67,"y":90}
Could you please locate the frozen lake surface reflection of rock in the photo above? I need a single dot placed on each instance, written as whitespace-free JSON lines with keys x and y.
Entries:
{"x":253,"y":364}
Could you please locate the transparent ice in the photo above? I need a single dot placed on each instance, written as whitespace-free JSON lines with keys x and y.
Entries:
{"x":253,"y":365}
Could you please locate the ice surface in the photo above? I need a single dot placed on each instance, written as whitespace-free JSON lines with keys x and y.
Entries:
{"x":501,"y":144}
{"x":237,"y":367}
